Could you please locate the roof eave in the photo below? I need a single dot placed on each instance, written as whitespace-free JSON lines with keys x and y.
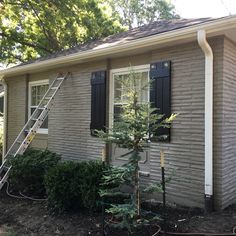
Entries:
{"x":158,"y":39}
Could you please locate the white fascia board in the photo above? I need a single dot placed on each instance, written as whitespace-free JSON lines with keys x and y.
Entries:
{"x":187,"y":32}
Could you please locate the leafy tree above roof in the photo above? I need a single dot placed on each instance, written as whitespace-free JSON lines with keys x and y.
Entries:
{"x":36,"y":28}
{"x":33,"y":28}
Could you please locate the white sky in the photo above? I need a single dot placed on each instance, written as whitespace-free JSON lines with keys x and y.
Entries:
{"x":204,"y":8}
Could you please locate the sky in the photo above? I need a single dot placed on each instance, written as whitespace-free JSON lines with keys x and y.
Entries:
{"x":204,"y":8}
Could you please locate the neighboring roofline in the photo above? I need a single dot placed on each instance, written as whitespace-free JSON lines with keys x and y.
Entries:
{"x":213,"y":26}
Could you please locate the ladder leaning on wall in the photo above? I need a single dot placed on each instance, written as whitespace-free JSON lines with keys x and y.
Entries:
{"x":29,"y":131}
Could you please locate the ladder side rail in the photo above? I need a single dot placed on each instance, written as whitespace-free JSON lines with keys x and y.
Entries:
{"x":18,"y":137}
{"x":35,"y":127}
{"x":3,"y":180}
{"x":32,"y":131}
{"x":45,"y":95}
{"x":2,"y":166}
{"x":47,"y":107}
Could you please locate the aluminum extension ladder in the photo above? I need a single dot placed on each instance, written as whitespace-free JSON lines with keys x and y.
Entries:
{"x":29,"y":131}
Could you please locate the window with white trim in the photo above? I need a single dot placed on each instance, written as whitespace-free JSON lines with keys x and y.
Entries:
{"x":117,"y":98}
{"x":119,"y":91}
{"x":37,"y":90}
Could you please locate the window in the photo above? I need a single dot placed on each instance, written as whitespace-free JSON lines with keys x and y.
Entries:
{"x":118,"y":90}
{"x":117,"y":98}
{"x":37,"y":89}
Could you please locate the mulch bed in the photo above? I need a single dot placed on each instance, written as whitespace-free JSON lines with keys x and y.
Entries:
{"x":26,"y":217}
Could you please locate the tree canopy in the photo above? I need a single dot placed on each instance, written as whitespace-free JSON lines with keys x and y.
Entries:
{"x":33,"y":28}
{"x":134,"y":13}
{"x":36,"y":28}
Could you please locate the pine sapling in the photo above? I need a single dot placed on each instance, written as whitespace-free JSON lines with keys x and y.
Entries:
{"x":137,"y":123}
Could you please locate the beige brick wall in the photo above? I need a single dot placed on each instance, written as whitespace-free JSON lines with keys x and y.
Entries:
{"x":16,"y":106}
{"x":217,"y":126}
{"x":69,"y":120}
{"x":228,"y":170}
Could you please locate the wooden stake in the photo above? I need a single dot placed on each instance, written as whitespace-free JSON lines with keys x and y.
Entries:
{"x":162,"y":158}
{"x":104,"y":154}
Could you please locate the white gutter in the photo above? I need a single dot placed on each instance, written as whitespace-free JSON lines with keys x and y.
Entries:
{"x":208,"y":117}
{"x":4,"y":120}
{"x":188,"y":32}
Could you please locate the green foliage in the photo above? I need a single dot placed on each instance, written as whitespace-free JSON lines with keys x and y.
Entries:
{"x":28,"y":171}
{"x":90,"y":175}
{"x":62,"y":186}
{"x":128,"y":214}
{"x":29,"y":28}
{"x":132,"y":129}
{"x":71,"y":185}
{"x":135,"y":12}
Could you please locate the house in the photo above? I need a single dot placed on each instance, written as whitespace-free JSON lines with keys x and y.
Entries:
{"x":193,"y":65}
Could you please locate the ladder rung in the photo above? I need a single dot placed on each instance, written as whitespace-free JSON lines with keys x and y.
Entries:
{"x":11,"y":154}
{"x":60,"y":78}
{"x":29,"y":130}
{"x":54,"y":88}
{"x":48,"y":98}
{"x":40,"y":108}
{"x":5,"y":168}
{"x":34,"y":119}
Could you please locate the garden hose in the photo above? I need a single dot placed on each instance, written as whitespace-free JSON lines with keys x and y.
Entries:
{"x":199,"y":234}
{"x":22,"y":195}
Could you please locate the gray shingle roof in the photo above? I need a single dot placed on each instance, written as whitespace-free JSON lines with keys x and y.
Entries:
{"x":154,"y":28}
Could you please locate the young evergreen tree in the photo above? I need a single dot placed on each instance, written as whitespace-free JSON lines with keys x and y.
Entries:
{"x":136,"y":125}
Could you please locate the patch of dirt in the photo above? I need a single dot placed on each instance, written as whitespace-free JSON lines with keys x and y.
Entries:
{"x":194,"y":220}
{"x":26,"y":217}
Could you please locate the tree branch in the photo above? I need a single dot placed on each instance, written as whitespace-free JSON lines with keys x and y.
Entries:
{"x":41,"y":23}
{"x":17,"y":40}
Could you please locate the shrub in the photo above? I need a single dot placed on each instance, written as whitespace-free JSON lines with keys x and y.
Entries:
{"x":71,"y":185}
{"x":28,"y":170}
{"x":90,"y":174}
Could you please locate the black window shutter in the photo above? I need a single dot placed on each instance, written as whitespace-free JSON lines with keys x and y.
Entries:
{"x":98,"y":101}
{"x":160,"y":91}
{"x":1,"y":104}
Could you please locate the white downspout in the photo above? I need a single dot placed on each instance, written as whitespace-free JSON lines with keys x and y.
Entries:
{"x":4,"y":120}
{"x":201,"y":36}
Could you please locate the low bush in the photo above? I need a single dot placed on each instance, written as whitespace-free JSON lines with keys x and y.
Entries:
{"x":74,"y":185}
{"x":28,"y":170}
